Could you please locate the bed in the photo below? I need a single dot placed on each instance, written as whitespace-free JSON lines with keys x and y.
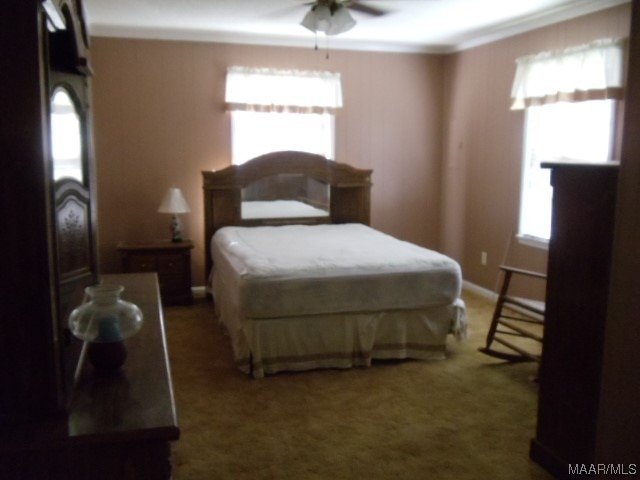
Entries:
{"x":317,"y":287}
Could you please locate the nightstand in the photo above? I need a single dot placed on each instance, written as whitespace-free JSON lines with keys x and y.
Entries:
{"x":170,"y":260}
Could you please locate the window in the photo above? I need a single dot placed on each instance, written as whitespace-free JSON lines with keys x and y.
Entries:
{"x":275,"y":110}
{"x":569,"y":98}
{"x":256,"y":133}
{"x":581,"y":131}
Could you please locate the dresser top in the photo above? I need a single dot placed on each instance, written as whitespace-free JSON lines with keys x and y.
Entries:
{"x":155,"y":245}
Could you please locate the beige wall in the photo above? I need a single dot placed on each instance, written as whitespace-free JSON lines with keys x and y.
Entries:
{"x":436,"y":130}
{"x":483,"y":143}
{"x":159,"y":121}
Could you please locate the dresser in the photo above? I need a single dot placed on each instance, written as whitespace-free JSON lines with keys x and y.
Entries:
{"x":170,"y":260}
{"x":116,"y":427}
{"x":578,"y":275}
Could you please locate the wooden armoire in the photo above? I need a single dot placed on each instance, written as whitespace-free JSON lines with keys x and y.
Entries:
{"x":59,"y":419}
{"x":578,"y":272}
{"x":47,"y":189}
{"x":588,"y":418}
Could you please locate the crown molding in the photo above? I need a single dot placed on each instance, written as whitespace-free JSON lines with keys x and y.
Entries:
{"x":559,"y":14}
{"x":473,"y":39}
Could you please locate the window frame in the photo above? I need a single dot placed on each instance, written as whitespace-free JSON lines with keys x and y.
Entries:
{"x":534,"y":240}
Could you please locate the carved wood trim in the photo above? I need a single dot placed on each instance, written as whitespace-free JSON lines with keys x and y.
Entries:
{"x":67,"y":17}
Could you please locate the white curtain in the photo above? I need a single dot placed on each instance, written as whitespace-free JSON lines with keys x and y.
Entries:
{"x":586,"y":72}
{"x":293,"y":91}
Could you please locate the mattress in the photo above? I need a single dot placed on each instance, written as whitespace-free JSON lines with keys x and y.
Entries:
{"x":295,"y":270}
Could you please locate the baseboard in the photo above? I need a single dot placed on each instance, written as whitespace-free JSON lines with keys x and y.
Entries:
{"x":478,"y":290}
{"x":493,"y":297}
{"x":199,"y":291}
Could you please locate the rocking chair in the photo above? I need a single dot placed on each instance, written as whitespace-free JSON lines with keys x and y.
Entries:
{"x":514,"y":317}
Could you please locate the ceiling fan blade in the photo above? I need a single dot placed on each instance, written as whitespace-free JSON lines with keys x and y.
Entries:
{"x":376,"y":12}
{"x":359,"y":7}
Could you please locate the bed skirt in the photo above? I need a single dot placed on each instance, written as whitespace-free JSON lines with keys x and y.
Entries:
{"x":342,"y":340}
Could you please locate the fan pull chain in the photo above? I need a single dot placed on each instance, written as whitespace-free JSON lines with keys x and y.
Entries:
{"x":327,"y":47}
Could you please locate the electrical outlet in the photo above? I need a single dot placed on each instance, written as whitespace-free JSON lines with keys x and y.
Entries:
{"x":483,"y":258}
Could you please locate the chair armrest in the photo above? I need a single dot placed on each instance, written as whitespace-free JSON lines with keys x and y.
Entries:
{"x":520,"y":271}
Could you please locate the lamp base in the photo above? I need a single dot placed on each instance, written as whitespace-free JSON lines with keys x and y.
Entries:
{"x":176,"y":229}
{"x":107,"y":357}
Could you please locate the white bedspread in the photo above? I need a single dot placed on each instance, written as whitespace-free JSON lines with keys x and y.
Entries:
{"x":295,"y":270}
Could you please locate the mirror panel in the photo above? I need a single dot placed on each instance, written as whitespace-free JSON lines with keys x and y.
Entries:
{"x":285,"y":196}
{"x":66,"y":137}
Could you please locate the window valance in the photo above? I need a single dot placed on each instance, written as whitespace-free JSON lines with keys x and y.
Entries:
{"x":587,"y":72}
{"x":296,"y":91}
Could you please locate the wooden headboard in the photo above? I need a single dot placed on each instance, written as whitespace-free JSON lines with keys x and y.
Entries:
{"x":349,"y":191}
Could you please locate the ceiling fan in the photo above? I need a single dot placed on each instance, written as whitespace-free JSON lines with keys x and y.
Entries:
{"x":332,"y":17}
{"x":358,"y":6}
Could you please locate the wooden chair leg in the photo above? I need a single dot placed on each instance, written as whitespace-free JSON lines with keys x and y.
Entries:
{"x":498,"y":310}
{"x":495,"y":321}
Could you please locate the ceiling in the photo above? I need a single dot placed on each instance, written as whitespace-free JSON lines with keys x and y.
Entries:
{"x":435,"y":26}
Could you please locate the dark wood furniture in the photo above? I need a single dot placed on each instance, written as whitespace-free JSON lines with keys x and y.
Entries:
{"x":349,"y":191}
{"x":117,"y":427}
{"x":580,"y":249}
{"x":515,"y":317}
{"x":51,"y":218}
{"x":170,"y":260}
{"x":619,"y":422}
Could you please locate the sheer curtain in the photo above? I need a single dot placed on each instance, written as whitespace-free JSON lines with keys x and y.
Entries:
{"x":293,"y":91}
{"x":587,"y":72}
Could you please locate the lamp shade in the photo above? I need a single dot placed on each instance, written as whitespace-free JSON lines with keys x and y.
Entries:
{"x":173,"y":202}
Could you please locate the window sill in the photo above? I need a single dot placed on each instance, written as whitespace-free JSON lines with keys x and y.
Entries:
{"x":535,"y":242}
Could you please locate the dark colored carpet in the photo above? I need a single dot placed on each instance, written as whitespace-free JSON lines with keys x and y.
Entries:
{"x":467,"y":417}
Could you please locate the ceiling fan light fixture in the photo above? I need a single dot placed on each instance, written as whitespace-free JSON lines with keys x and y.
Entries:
{"x":341,"y":21}
{"x":321,"y":19}
{"x":318,"y":19}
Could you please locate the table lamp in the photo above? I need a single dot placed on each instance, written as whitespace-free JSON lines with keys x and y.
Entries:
{"x":175,"y":204}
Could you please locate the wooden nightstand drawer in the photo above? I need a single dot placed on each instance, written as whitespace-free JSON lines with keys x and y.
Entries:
{"x":140,"y":262}
{"x":174,"y":285}
{"x":171,"y":261}
{"x":171,"y":264}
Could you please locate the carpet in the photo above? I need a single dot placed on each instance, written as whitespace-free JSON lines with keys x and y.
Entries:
{"x":467,"y":417}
